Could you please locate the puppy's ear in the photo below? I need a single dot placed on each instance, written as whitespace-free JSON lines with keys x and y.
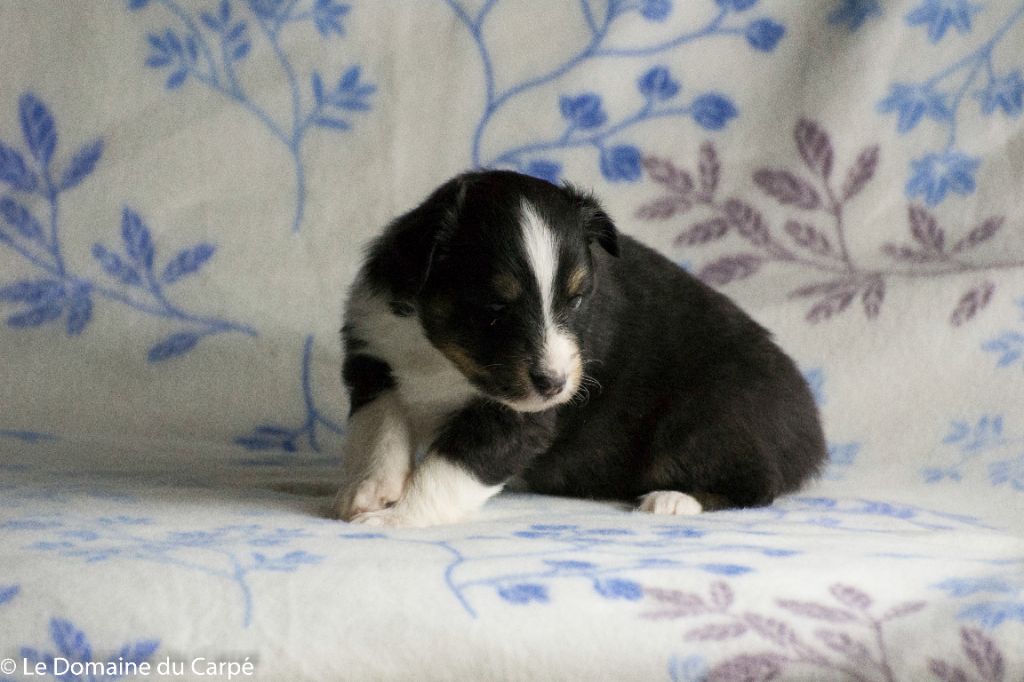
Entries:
{"x":400,"y":260}
{"x":599,"y":227}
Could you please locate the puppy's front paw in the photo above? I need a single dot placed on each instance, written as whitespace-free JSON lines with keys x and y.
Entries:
{"x":670,"y":502}
{"x":387,"y":518}
{"x":370,"y":494}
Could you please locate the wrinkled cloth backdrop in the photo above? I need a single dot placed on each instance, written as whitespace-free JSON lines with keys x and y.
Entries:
{"x":185,"y":189}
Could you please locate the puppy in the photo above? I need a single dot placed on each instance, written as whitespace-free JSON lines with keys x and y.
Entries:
{"x":509,"y":330}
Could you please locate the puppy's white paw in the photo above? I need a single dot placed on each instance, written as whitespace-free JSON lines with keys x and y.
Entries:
{"x":669,"y":502}
{"x":387,"y":518}
{"x":371,"y":494}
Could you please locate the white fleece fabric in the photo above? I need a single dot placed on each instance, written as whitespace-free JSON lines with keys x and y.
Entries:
{"x":186,"y":187}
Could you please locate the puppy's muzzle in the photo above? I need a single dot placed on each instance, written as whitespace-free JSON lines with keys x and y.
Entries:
{"x":546,"y":383}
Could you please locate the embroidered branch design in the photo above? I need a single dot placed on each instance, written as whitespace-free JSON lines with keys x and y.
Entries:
{"x":814,"y":195}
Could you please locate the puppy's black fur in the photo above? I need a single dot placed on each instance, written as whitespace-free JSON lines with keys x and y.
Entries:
{"x":686,"y":391}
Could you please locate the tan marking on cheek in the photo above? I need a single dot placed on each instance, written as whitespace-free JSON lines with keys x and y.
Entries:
{"x":507,"y":286}
{"x":461,"y":359}
{"x":576,"y":279}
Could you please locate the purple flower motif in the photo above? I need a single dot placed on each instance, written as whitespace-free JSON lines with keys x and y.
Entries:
{"x":712,"y":111}
{"x":1008,"y":471}
{"x":936,"y":174}
{"x":621,"y":162}
{"x":939,"y":15}
{"x":736,"y":5}
{"x":911,"y":103}
{"x":657,"y":84}
{"x":544,"y":169}
{"x":656,"y":10}
{"x":1006,"y":93}
{"x":583,"y":111}
{"x":853,"y":13}
{"x":764,"y":34}
{"x":524,"y":593}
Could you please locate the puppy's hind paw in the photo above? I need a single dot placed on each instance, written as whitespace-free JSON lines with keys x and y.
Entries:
{"x":670,"y":502}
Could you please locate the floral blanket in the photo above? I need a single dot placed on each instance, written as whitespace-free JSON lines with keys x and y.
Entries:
{"x":185,"y":189}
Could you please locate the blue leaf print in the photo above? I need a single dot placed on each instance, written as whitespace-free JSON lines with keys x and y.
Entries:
{"x":1008,"y":471}
{"x":583,"y":111}
{"x":736,"y":5}
{"x":764,"y":34}
{"x":524,"y":593}
{"x":318,"y":87}
{"x":137,"y":239}
{"x":175,"y":80}
{"x":31,"y":291}
{"x":187,"y":262}
{"x":38,"y":316}
{"x":137,"y":4}
{"x":19,"y":217}
{"x":938,"y":173}
{"x":1009,"y":345}
{"x":570,"y":564}
{"x":8,"y":593}
{"x":713,"y":111}
{"x":137,"y":653}
{"x":911,"y":103}
{"x":853,"y":13}
{"x":327,"y":17}
{"x":14,"y":171}
{"x":38,"y":127}
{"x":332,"y":123}
{"x":1006,"y":93}
{"x":657,"y":84}
{"x":621,"y":163}
{"x":173,"y":346}
{"x":655,"y":10}
{"x":544,"y":169}
{"x":940,"y":15}
{"x":993,"y":614}
{"x":619,"y":588}
{"x":82,"y":164}
{"x":115,"y":265}
{"x":71,"y":642}
{"x":964,"y":587}
{"x":725,"y":569}
{"x":79,"y":311}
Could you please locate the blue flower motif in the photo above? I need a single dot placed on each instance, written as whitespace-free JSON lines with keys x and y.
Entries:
{"x":912,"y":102}
{"x":853,"y":13}
{"x":524,"y":593}
{"x":1009,"y":345}
{"x":657,"y":84}
{"x":712,"y":111}
{"x":1008,"y":471}
{"x":936,"y":174}
{"x":327,"y":16}
{"x":993,"y":614}
{"x":725,"y":569}
{"x":939,"y":15}
{"x":764,"y":34}
{"x":621,"y":163}
{"x":736,"y":5}
{"x":583,"y":111}
{"x":656,"y":10}
{"x":544,"y":169}
{"x":74,"y":647}
{"x":619,"y":588}
{"x":1006,"y":93}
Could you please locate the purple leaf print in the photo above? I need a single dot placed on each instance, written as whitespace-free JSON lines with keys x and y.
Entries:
{"x":830,"y":306}
{"x":904,"y":609}
{"x":946,"y":672}
{"x":814,"y":147}
{"x":980,"y":234}
{"x":861,"y":173}
{"x":926,"y":230}
{"x":820,"y":288}
{"x":664,"y":172}
{"x":809,"y":237}
{"x":787,"y":188}
{"x":872,"y":297}
{"x":715,"y":632}
{"x":851,"y":596}
{"x":748,"y":222}
{"x":746,"y":668}
{"x":771,"y":629}
{"x":817,"y":611}
{"x":703,"y":232}
{"x":983,"y":653}
{"x":909,"y":255}
{"x":710,"y":169}
{"x":729,"y":268}
{"x":844,"y":644}
{"x":971,"y":303}
{"x":664,"y":208}
{"x":721,"y":595}
{"x":683,"y":603}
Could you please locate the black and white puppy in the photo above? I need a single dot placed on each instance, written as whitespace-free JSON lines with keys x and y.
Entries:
{"x":509,"y":330}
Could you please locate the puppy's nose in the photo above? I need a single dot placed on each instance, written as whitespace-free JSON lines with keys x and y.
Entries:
{"x":547,"y":384}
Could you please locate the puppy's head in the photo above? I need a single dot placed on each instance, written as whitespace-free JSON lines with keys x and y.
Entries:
{"x":498,"y":267}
